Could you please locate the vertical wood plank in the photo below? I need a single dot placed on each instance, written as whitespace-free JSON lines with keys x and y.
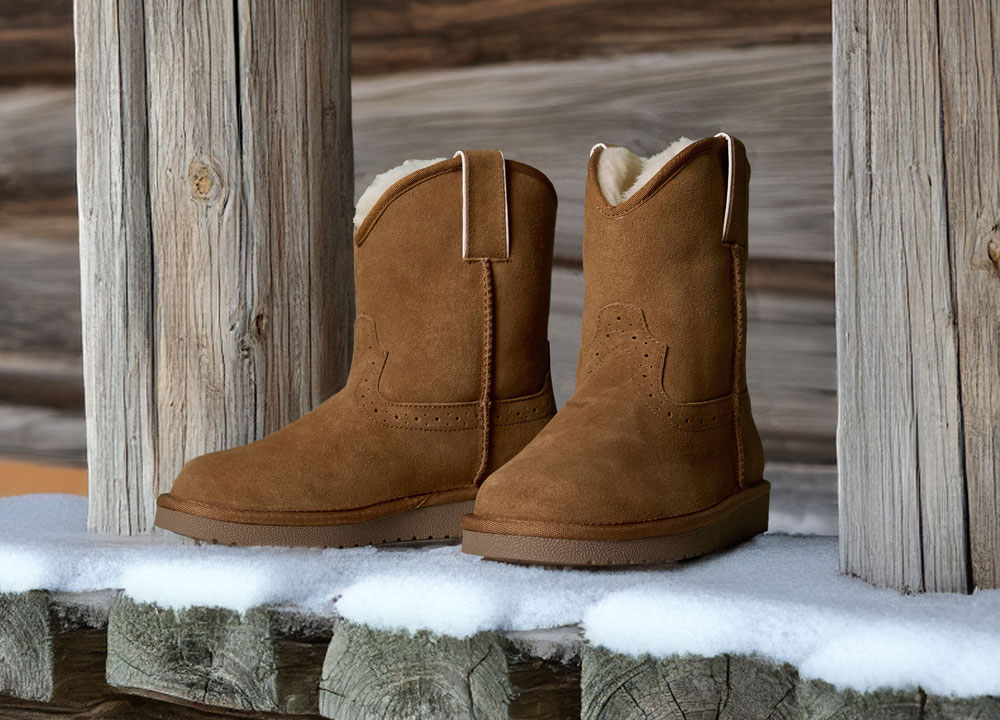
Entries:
{"x":205,"y":374}
{"x":244,"y":297}
{"x":116,"y":264}
{"x":970,"y":73}
{"x":915,"y":207}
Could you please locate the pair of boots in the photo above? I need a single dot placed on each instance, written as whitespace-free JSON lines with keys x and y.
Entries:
{"x":447,"y":425}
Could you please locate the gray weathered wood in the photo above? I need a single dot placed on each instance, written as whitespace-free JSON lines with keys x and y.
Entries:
{"x":215,"y":190}
{"x":390,"y":35}
{"x":970,"y":74}
{"x":917,"y":192}
{"x":775,"y":98}
{"x":739,"y":687}
{"x":52,"y":646}
{"x":36,"y":39}
{"x":40,"y":350}
{"x":260,"y":661}
{"x":36,"y":432}
{"x":53,"y":660}
{"x":269,"y":663}
{"x":620,"y":687}
{"x":37,"y":148}
{"x":376,"y":673}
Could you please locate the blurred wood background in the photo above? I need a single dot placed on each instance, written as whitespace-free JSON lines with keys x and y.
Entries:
{"x":544,"y":80}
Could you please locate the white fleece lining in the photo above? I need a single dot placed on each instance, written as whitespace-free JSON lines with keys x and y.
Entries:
{"x":621,"y":173}
{"x":465,"y":205}
{"x":382,"y":182}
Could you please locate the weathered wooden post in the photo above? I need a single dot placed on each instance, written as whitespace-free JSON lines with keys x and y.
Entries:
{"x":917,"y":197}
{"x":216,"y":187}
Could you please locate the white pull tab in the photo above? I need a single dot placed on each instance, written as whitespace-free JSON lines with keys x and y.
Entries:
{"x":465,"y":203}
{"x":729,"y":190}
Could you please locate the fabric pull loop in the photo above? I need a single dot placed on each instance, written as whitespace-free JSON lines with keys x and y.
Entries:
{"x":734,"y":224}
{"x":485,"y":209}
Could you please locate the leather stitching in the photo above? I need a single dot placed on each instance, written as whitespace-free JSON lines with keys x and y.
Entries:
{"x":434,"y":417}
{"x":622,"y":330}
{"x":737,"y":365}
{"x":485,"y":408}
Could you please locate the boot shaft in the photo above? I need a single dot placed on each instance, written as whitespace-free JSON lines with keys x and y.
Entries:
{"x":677,"y":249}
{"x":453,"y":265}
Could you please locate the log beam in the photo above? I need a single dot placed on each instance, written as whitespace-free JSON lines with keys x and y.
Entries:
{"x":263,"y":660}
{"x":489,"y":676}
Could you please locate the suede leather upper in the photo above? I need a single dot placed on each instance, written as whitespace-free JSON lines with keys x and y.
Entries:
{"x":660,"y":423}
{"x":449,"y":377}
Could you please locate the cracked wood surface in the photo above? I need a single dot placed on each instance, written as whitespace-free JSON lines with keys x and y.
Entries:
{"x":69,"y":656}
{"x":917,"y":191}
{"x":739,"y":687}
{"x":52,"y":645}
{"x":258,"y":661}
{"x":489,"y":676}
{"x":214,"y":164}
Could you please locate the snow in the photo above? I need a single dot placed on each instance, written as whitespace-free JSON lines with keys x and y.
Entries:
{"x":782,"y":598}
{"x":778,"y":596}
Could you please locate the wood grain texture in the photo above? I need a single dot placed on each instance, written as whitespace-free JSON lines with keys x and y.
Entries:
{"x":37,"y":148}
{"x":970,"y":73}
{"x":389,"y":36}
{"x":36,"y":41}
{"x":205,"y":662}
{"x":40,"y":344}
{"x":124,"y":706}
{"x":258,"y":661}
{"x":916,"y":203}
{"x":116,"y":265}
{"x":739,"y":687}
{"x":621,"y":687}
{"x":531,"y":675}
{"x":39,"y":433}
{"x":36,"y":38}
{"x":52,"y":646}
{"x":215,"y":232}
{"x":775,"y":98}
{"x":370,"y":673}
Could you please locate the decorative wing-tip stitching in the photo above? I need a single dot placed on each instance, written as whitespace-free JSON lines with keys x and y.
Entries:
{"x":622,"y":331}
{"x":433,"y":417}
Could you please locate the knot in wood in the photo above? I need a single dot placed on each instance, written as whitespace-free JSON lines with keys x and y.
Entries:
{"x":205,"y":181}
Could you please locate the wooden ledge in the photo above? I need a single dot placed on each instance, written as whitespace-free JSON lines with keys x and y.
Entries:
{"x":104,"y":655}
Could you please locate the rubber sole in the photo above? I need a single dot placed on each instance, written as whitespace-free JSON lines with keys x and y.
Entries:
{"x":437,"y":522}
{"x":735,"y":520}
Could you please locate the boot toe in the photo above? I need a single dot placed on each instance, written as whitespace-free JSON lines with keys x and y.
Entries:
{"x":216,"y":480}
{"x":527,"y":492}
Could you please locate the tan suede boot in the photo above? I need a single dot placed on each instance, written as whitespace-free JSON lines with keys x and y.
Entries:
{"x":450,"y":376}
{"x":655,"y":457}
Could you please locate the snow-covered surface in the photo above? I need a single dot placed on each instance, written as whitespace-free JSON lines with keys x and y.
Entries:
{"x":779,"y":596}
